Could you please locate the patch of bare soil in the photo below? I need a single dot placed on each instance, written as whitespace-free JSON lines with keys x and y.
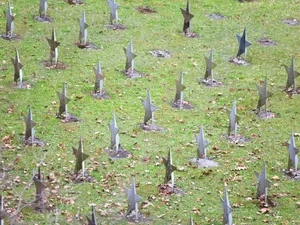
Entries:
{"x":74,"y":2}
{"x":266,"y":42}
{"x":43,"y":19}
{"x":216,"y":16}
{"x":55,"y":66}
{"x":204,"y":163}
{"x":270,"y":202}
{"x":11,"y":37}
{"x":291,"y":22}
{"x":166,"y":189}
{"x":184,"y":105}
{"x":115,"y":26}
{"x":238,"y":139}
{"x":122,"y":153}
{"x":132,"y":74}
{"x":72,"y":178}
{"x":292,"y":174}
{"x":210,"y":82}
{"x":36,"y":142}
{"x":97,"y":95}
{"x":160,"y":53}
{"x":145,"y":9}
{"x":70,"y":118}
{"x":191,"y":35}
{"x":24,"y":85}
{"x":151,"y":127}
{"x":140,"y":218}
{"x":290,"y":91}
{"x":88,"y":45}
{"x":265,"y":114}
{"x":239,"y":62}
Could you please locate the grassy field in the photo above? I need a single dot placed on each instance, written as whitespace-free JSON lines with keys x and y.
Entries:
{"x":263,"y":18}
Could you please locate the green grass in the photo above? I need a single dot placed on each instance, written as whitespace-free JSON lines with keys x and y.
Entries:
{"x":155,"y":31}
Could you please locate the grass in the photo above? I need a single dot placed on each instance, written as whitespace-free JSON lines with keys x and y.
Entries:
{"x":154,"y":31}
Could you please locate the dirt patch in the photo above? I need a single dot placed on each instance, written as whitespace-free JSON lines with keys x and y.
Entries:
{"x":36,"y":142}
{"x":291,"y":22}
{"x":166,"y":189}
{"x":184,"y":105}
{"x":247,"y":0}
{"x":145,"y":10}
{"x":191,"y":35}
{"x":151,"y":127}
{"x":216,"y":16}
{"x":11,"y":37}
{"x":97,"y":95}
{"x":74,"y":2}
{"x":264,"y":114}
{"x":68,"y":119}
{"x":43,"y":19}
{"x":115,"y":27}
{"x":88,"y":45}
{"x":266,"y":42}
{"x":132,"y":74}
{"x":210,"y":82}
{"x":140,"y":218}
{"x":290,"y":91}
{"x":238,"y":139}
{"x":55,"y":66}
{"x":292,"y":174}
{"x":122,"y":153}
{"x":80,"y":178}
{"x":239,"y":62}
{"x":270,"y":202}
{"x":160,"y":53}
{"x":24,"y":85}
{"x":203,"y":163}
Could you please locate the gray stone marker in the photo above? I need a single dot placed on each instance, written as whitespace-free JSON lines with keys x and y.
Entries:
{"x":191,"y":220}
{"x":80,"y":157}
{"x":293,"y":154}
{"x":115,"y":138}
{"x":63,"y":101}
{"x":40,"y":189}
{"x":179,"y":90}
{"x":202,"y":144}
{"x":43,"y":8}
{"x":170,"y":168}
{"x":99,"y":82}
{"x":233,"y":120}
{"x":264,"y":94}
{"x":227,"y":210}
{"x":3,"y":213}
{"x":53,"y":44}
{"x":187,"y":18}
{"x":83,"y":29}
{"x":243,"y":44}
{"x":263,"y":184}
{"x":129,"y":59}
{"x":93,"y":220}
{"x":149,"y":108}
{"x":292,"y":75}
{"x":9,"y":22}
{"x":133,"y":200}
{"x":30,"y":124}
{"x":18,"y":74}
{"x":210,"y":65}
{"x":113,"y":11}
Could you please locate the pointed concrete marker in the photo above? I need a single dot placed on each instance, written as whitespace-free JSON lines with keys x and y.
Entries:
{"x":191,"y":220}
{"x":43,"y":8}
{"x":18,"y":75}
{"x":83,"y":29}
{"x":233,"y":119}
{"x":9,"y":21}
{"x":99,"y":79}
{"x":202,"y":144}
{"x":129,"y":58}
{"x":3,"y":213}
{"x":133,"y":200}
{"x":40,"y":188}
{"x":210,"y":65}
{"x":292,"y":75}
{"x":93,"y":220}
{"x":179,"y":89}
{"x":149,"y":108}
{"x":264,"y":94}
{"x":243,"y":44}
{"x":263,"y":182}
{"x":113,"y":11}
{"x":187,"y":18}
{"x":53,"y":44}
{"x":29,"y":126}
{"x":227,"y":210}
{"x":114,"y":130}
{"x":80,"y":157}
{"x":170,"y":168}
{"x":63,"y":101}
{"x":293,"y":154}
